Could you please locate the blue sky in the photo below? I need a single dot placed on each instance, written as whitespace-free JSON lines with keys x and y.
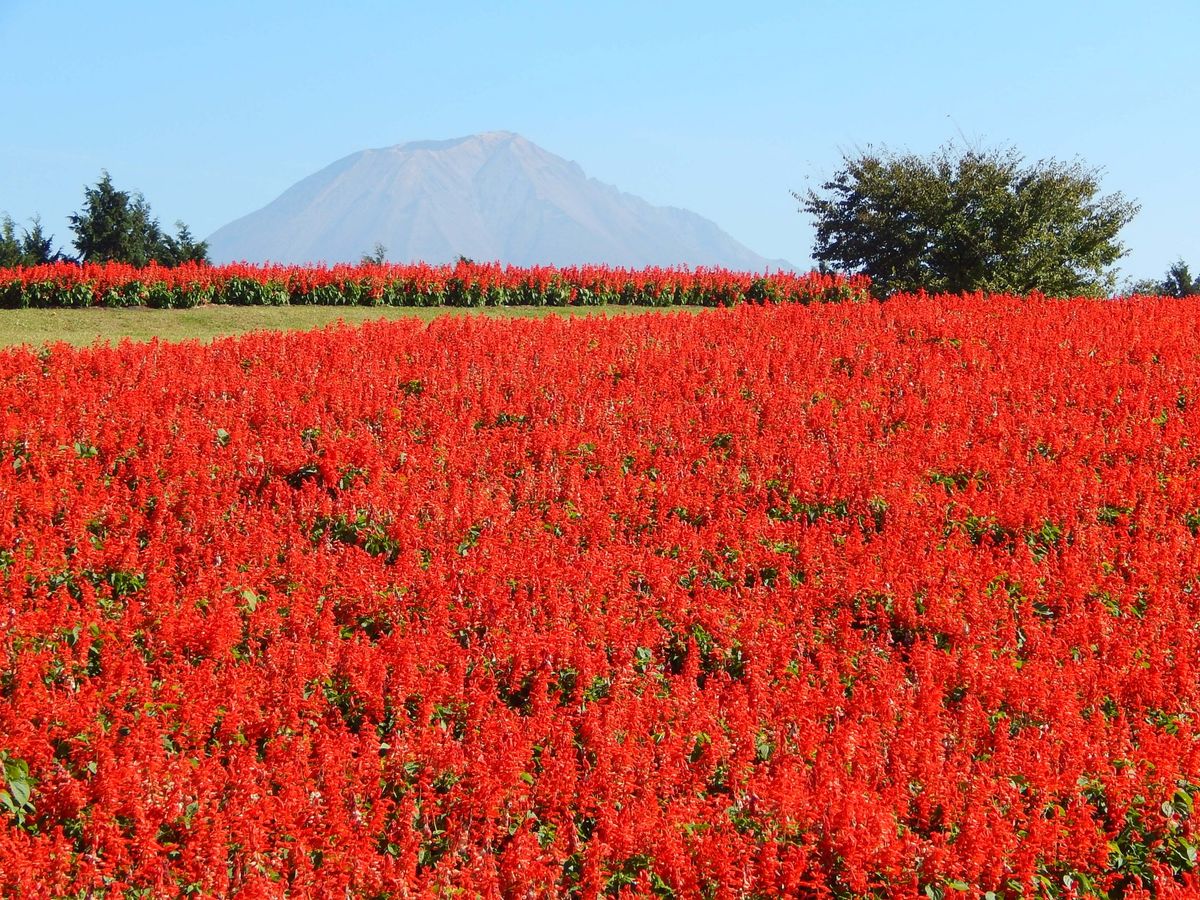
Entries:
{"x":213,"y":109}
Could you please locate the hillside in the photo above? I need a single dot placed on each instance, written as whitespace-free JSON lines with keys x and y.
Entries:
{"x":493,"y":196}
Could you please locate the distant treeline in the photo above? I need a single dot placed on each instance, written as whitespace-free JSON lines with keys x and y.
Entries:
{"x":112,"y":226}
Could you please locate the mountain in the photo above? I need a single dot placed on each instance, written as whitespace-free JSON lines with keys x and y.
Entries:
{"x":493,"y":196}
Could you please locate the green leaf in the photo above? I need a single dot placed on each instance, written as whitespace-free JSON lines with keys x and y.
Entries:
{"x":17,"y":800}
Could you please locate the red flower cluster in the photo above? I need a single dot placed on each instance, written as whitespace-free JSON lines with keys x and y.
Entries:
{"x":841,"y":601}
{"x":463,"y":284}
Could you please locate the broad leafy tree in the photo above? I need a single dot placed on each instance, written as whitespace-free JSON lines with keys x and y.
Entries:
{"x":974,"y":220}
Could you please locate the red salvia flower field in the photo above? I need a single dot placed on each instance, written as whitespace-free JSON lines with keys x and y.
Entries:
{"x":872,"y":599}
{"x":465,"y":283}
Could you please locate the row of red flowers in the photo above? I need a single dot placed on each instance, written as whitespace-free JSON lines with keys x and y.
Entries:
{"x":462,"y":284}
{"x":835,"y":601}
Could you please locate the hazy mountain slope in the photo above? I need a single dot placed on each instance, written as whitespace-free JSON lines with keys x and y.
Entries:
{"x":493,"y":196}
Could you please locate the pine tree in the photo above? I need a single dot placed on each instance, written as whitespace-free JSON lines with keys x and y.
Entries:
{"x":32,"y":248}
{"x":117,"y":225}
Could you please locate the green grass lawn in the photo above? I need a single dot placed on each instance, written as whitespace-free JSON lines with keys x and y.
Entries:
{"x":86,"y":326}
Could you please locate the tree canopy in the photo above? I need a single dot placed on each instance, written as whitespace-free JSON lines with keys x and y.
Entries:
{"x":31,"y":248}
{"x":377,"y":256}
{"x":1178,"y":282}
{"x":974,"y":220}
{"x":117,"y":225}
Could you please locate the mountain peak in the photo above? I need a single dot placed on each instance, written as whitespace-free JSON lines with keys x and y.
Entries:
{"x":488,"y":196}
{"x":483,"y":139}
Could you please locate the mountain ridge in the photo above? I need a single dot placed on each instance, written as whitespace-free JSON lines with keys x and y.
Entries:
{"x":490,"y":196}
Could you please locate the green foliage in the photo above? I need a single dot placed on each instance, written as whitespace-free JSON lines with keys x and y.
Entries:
{"x":16,"y":789}
{"x":113,"y":225}
{"x":118,"y":226}
{"x":31,"y":248}
{"x":979,"y":220}
{"x":377,"y":256}
{"x":1178,"y":282}
{"x":181,"y":248}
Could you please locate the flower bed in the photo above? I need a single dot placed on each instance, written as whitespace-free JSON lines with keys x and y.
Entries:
{"x":836,"y":601}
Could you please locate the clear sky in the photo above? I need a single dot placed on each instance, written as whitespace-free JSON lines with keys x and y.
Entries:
{"x":213,"y":109}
